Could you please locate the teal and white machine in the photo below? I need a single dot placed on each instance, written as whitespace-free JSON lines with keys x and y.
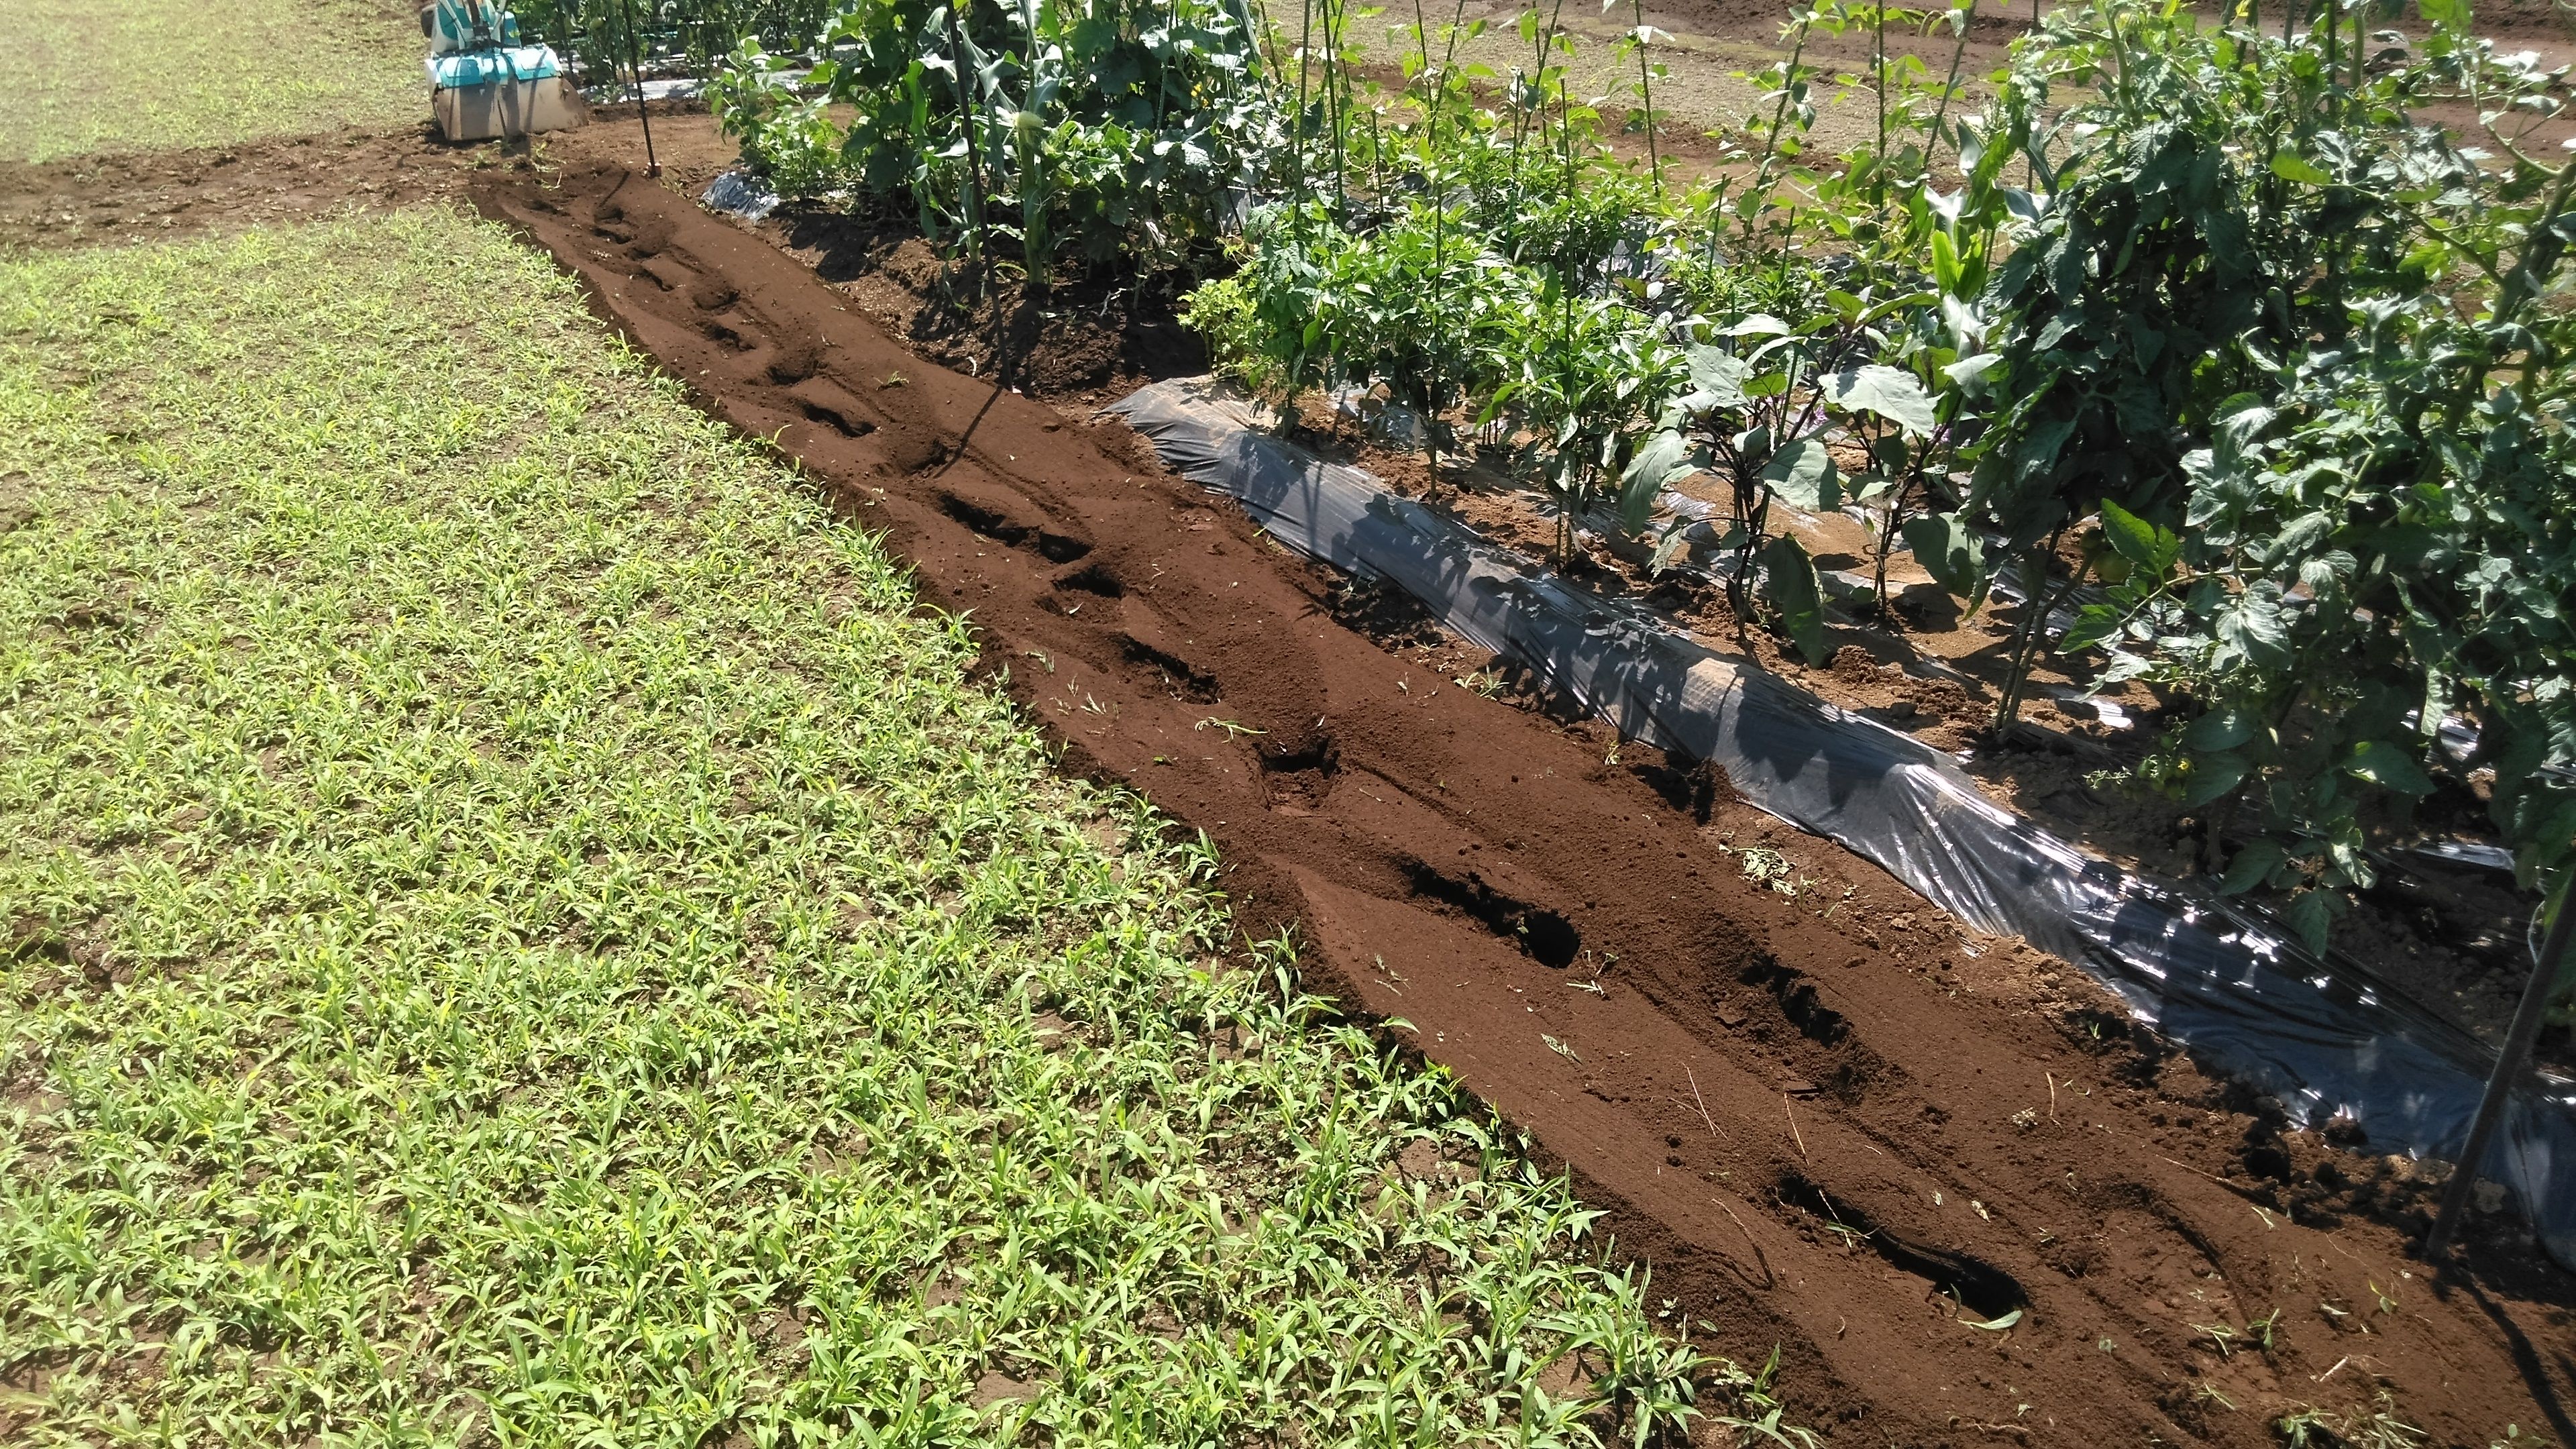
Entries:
{"x":483,"y":83}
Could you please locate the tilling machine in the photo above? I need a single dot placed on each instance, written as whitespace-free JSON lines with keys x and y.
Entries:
{"x":485,"y":84}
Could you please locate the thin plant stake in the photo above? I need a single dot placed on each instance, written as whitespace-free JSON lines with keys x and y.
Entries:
{"x":1878,"y":89}
{"x":1950,"y":87}
{"x":1646,"y":95}
{"x":635,"y":67}
{"x":2030,"y":170}
{"x":2509,"y":1067}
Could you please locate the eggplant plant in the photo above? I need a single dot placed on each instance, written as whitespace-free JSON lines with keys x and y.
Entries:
{"x":1769,"y":404}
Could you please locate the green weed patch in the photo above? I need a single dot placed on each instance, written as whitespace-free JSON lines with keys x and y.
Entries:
{"x":87,"y":76}
{"x":518,"y":931}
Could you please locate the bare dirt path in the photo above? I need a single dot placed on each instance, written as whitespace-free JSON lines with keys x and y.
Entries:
{"x":1825,"y":1116}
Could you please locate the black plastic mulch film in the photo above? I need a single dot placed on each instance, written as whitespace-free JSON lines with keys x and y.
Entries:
{"x":2247,"y":1002}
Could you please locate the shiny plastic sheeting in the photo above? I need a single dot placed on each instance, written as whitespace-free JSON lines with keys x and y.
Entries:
{"x":2247,"y":1001}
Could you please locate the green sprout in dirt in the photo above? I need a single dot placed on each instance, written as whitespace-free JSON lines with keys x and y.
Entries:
{"x":517,"y":929}
{"x":2265,"y":1330}
{"x":2364,"y":1426}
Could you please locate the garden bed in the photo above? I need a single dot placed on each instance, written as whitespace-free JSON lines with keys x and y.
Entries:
{"x":1743,"y":1041}
{"x":2443,"y":934}
{"x":1809,"y":1103}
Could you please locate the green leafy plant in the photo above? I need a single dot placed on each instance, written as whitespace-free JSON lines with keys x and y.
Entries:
{"x":2371,"y":537}
{"x":692,"y":35}
{"x":2234,"y":375}
{"x":1769,"y":401}
{"x":1483,"y":267}
{"x":1065,"y":130}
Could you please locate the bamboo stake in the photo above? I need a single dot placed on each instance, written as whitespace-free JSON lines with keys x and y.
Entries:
{"x":2509,"y":1068}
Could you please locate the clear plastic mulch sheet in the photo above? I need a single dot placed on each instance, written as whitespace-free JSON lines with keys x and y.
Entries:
{"x":2247,"y":1001}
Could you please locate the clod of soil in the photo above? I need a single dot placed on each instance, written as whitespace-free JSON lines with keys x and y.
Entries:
{"x":1827,"y":1117}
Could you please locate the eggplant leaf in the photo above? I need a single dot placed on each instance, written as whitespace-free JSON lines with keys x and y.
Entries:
{"x":1950,"y":552}
{"x":1718,"y":375}
{"x":1795,"y":591}
{"x":1666,"y":457}
{"x":1803,"y":475}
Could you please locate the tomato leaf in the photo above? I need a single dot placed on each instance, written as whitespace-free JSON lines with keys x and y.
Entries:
{"x":1891,"y":392}
{"x":2093,"y":624}
{"x":2220,"y":729}
{"x":2290,"y":166}
{"x":2384,"y":764}
{"x":2253,"y":628}
{"x":2251,"y":866}
{"x":2142,"y":543}
{"x":2213,"y":776}
{"x":2312,"y":914}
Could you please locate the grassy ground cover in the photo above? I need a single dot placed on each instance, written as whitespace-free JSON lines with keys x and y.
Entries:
{"x":86,"y":76}
{"x":516,"y":931}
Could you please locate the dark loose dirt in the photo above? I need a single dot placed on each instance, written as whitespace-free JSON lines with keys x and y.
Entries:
{"x":97,"y":200}
{"x":1824,"y":1115}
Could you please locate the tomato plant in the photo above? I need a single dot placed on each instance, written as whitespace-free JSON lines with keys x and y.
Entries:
{"x":2300,"y":355}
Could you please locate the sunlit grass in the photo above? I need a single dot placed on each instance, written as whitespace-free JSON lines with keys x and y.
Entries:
{"x":82,"y":76}
{"x":517,"y":930}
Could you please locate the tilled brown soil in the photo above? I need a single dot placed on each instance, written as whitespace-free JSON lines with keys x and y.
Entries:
{"x":107,"y":199}
{"x":1823,"y":1115}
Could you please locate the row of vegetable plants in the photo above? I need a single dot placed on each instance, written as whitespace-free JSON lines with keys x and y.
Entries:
{"x":2194,"y":331}
{"x":603,"y":38}
{"x":1053,"y":133}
